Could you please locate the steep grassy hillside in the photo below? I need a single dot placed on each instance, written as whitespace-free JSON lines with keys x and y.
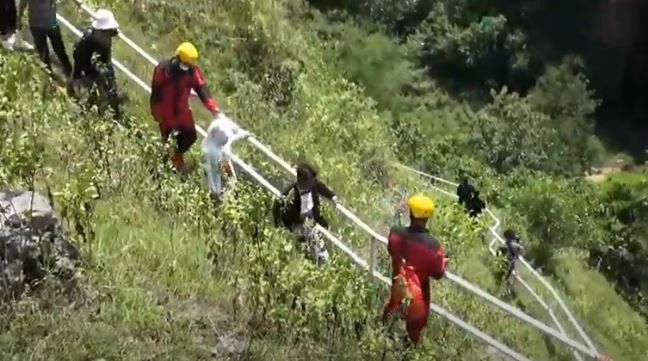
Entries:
{"x":159,"y":274}
{"x":166,"y":274}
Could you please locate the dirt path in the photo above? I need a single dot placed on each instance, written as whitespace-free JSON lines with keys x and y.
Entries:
{"x":615,"y":164}
{"x":599,"y":175}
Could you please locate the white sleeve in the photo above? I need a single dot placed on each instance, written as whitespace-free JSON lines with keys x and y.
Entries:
{"x":211,"y":166}
{"x":209,"y":138}
{"x":238,"y":133}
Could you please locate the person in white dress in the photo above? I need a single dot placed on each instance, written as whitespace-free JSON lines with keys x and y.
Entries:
{"x":216,"y":147}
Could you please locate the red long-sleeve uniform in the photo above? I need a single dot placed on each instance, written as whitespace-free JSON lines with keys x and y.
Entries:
{"x":423,"y":258}
{"x":170,"y":93}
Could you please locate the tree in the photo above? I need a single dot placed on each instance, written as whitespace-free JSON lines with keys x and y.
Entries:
{"x":563,"y":94}
{"x":510,"y":133}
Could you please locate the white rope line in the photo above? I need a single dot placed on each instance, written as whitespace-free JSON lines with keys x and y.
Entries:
{"x":549,"y":311}
{"x":516,"y":312}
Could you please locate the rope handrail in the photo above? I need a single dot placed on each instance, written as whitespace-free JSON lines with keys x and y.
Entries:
{"x":456,"y":279}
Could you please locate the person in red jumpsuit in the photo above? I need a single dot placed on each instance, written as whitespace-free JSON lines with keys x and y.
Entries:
{"x":173,"y":80}
{"x":416,"y":256}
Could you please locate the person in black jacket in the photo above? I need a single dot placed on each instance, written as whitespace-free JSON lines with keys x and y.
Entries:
{"x":465,"y":192}
{"x":93,"y":60}
{"x":512,"y":250}
{"x":306,"y":199}
{"x":475,"y":205}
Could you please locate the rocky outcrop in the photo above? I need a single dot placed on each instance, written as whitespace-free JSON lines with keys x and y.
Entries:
{"x":32,"y":243}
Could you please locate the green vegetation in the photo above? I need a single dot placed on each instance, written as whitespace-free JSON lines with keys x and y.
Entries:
{"x":165,"y":273}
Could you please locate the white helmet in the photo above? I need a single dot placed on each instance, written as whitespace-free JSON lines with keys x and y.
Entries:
{"x":104,"y":20}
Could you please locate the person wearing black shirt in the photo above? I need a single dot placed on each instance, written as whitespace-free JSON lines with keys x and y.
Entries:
{"x":305,"y":202}
{"x":512,"y":249}
{"x":93,"y":60}
{"x":465,"y":192}
{"x":475,"y":205}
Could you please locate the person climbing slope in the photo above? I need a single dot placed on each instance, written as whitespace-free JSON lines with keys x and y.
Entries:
{"x":306,"y":199}
{"x":8,"y":23}
{"x":221,"y":134}
{"x":416,"y":256}
{"x":475,"y":205}
{"x":43,"y":26}
{"x":173,"y":80}
{"x":93,"y":61}
{"x":512,"y":249}
{"x":305,"y":205}
{"x":465,"y":191}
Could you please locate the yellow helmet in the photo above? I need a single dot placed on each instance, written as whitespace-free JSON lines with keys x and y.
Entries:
{"x":187,"y":53}
{"x":421,"y":206}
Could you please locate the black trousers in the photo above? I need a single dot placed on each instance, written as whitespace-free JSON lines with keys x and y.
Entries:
{"x":289,"y":216}
{"x":8,"y":17}
{"x":184,"y":140}
{"x":40,"y":42}
{"x":101,"y":95}
{"x":510,"y":267}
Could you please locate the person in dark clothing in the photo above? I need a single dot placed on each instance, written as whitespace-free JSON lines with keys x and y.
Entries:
{"x":465,"y":192}
{"x":43,"y":26}
{"x":93,"y":61}
{"x":306,"y":201}
{"x":512,"y":250}
{"x":475,"y":205}
{"x":8,"y":23}
{"x":173,"y":80}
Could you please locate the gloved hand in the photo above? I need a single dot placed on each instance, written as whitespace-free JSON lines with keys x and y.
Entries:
{"x":335,"y":199}
{"x":446,"y":259}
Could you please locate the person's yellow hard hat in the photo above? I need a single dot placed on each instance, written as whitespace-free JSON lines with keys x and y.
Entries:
{"x":421,"y":206}
{"x":187,"y":53}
